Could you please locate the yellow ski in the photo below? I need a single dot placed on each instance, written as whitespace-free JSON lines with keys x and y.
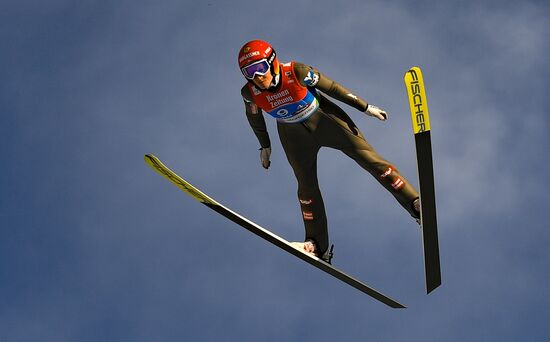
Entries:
{"x":421,"y":128}
{"x":265,"y":234}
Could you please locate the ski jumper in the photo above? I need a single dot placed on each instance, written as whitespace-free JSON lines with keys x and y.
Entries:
{"x":306,"y":121}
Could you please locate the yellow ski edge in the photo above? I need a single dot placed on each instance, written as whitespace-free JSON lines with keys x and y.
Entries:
{"x":414,"y":82}
{"x":181,"y":183}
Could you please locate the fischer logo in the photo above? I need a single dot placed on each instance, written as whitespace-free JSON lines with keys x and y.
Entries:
{"x":248,"y":55}
{"x":418,"y":102}
{"x":306,"y":201}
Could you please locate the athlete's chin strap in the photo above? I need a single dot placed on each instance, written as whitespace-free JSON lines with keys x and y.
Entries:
{"x":276,"y":80}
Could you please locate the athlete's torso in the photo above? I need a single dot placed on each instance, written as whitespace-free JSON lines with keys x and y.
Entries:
{"x":290,"y":102}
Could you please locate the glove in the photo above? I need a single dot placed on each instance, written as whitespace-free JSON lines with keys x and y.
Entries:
{"x":376,"y":112}
{"x":265,"y":153}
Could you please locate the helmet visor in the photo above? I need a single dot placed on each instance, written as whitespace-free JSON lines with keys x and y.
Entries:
{"x":260,"y":67}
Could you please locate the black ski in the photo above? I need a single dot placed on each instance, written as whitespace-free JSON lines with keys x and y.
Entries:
{"x":421,"y":128}
{"x":265,"y":234}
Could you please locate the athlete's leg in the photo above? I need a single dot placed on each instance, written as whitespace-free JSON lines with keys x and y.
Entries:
{"x":301,"y":150}
{"x":339,"y":131}
{"x":386,"y":174}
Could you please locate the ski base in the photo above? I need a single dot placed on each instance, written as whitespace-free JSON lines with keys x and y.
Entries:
{"x":265,"y":234}
{"x":428,"y":219}
{"x":422,"y":136}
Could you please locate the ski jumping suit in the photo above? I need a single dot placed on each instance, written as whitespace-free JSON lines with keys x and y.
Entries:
{"x":306,"y":121}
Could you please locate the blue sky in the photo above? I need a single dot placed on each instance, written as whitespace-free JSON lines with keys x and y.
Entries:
{"x":96,"y":246}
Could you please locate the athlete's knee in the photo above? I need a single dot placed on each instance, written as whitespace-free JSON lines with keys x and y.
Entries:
{"x":391,"y":176}
{"x":308,"y":188}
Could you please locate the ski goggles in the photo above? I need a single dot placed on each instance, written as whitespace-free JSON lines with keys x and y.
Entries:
{"x":260,"y":68}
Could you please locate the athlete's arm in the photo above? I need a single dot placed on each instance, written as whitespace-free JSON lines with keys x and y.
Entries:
{"x":255,"y":119}
{"x":311,"y":77}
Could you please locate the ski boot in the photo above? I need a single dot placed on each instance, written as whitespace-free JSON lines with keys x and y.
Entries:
{"x":310,"y":247}
{"x":416,"y":209}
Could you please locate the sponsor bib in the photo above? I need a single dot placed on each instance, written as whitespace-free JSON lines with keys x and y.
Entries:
{"x":291,"y":103}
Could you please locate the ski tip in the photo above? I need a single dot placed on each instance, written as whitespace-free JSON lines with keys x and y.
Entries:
{"x":412,"y":72}
{"x":414,"y":68}
{"x":150,"y":158}
{"x":153,"y":161}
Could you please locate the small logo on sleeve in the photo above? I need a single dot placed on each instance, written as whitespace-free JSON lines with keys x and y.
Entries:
{"x":311,"y":78}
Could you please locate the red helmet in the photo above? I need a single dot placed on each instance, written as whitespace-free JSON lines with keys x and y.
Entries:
{"x":257,"y":58}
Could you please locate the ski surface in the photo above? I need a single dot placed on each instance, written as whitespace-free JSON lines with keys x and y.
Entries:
{"x":265,"y":234}
{"x":422,"y":136}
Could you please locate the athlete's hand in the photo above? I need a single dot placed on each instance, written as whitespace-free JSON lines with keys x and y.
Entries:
{"x":265,"y":154}
{"x":376,"y":112}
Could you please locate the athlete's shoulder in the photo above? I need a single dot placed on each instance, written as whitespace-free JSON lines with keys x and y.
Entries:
{"x":297,"y":66}
{"x":245,"y":93}
{"x":306,"y":74}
